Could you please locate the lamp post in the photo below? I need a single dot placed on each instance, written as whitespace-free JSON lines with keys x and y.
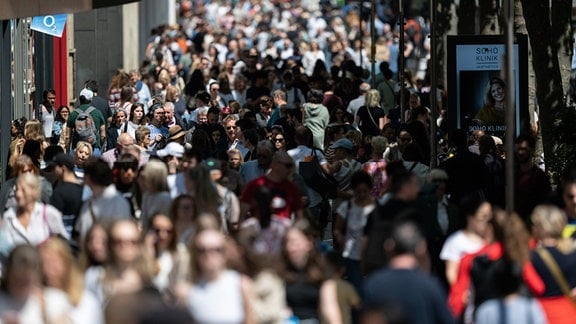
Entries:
{"x":373,"y":43}
{"x":433,"y":84}
{"x":510,"y":111}
{"x":401,"y":61}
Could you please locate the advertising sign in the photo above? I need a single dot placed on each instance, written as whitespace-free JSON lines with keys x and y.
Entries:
{"x":477,"y":88}
{"x":51,"y":24}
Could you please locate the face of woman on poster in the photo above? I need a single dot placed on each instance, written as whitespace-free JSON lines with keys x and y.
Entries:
{"x":497,"y":92}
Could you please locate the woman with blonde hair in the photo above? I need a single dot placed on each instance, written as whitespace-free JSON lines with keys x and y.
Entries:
{"x":82,"y":152}
{"x":126,"y":270}
{"x":154,"y":187}
{"x":31,"y":222}
{"x":370,"y":118}
{"x":171,"y":259}
{"x":23,"y":164}
{"x":34,"y":130}
{"x":62,"y":272}
{"x":548,"y":222}
{"x":23,"y":299}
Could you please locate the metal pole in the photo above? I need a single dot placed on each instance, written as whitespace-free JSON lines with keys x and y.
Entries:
{"x":401,"y":61}
{"x":373,"y":46}
{"x":5,"y":94}
{"x":433,"y":84}
{"x":510,"y":105}
{"x":360,"y":32}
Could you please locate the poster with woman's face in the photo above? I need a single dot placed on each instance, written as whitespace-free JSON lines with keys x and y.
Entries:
{"x":478,"y":91}
{"x":482,"y":101}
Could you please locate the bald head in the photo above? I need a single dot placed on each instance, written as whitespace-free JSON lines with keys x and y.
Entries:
{"x":124,"y":140}
{"x":364,"y":87}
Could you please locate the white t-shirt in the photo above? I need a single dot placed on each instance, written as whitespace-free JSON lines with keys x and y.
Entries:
{"x":457,"y":245}
{"x":207,"y":299}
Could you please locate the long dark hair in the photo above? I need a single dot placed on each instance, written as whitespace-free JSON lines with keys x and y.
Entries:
{"x":59,"y":114}
{"x":315,"y":268}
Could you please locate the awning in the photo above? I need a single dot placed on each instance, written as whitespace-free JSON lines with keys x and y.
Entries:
{"x":10,"y":9}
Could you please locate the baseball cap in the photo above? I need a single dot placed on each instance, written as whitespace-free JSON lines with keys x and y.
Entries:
{"x":172,"y":149}
{"x":212,"y":164}
{"x":343,"y":143}
{"x":87,"y":94}
{"x":62,"y":159}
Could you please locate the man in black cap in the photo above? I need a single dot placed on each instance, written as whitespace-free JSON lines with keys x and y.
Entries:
{"x":67,"y":194}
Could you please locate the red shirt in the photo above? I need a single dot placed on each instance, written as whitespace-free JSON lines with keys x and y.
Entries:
{"x":494,"y":251}
{"x":283,"y":198}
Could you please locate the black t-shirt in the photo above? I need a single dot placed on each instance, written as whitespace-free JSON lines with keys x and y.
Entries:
{"x":566,"y":263}
{"x":67,"y":198}
{"x":369,"y":124}
{"x":303,"y":297}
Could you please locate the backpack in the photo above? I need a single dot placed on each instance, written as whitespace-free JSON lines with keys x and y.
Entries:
{"x":85,"y":127}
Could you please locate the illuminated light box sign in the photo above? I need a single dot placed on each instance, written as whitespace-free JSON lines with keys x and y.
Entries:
{"x":477,"y":87}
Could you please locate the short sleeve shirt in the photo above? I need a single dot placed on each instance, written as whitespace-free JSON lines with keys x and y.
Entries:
{"x":457,"y":245}
{"x":285,"y":198}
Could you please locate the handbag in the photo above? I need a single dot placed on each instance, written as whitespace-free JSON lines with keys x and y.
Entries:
{"x":315,"y":177}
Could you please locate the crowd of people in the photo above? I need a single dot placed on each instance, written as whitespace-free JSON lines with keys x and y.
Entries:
{"x":248,"y":172}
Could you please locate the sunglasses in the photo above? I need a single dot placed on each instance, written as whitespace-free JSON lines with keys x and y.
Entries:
{"x":406,"y":139}
{"x":210,"y":250}
{"x":231,"y":127}
{"x":278,"y":140}
{"x":162,"y":230}
{"x":123,"y":243}
{"x":127,"y":166}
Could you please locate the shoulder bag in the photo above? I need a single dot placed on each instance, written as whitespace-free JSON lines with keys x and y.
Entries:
{"x":554,"y":269}
{"x":315,"y":177}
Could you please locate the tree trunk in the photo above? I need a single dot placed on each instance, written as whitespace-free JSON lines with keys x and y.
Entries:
{"x":520,"y":28}
{"x":545,"y":39}
{"x":467,"y":18}
{"x":443,"y":25}
{"x":489,"y":17}
{"x":561,"y":15}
